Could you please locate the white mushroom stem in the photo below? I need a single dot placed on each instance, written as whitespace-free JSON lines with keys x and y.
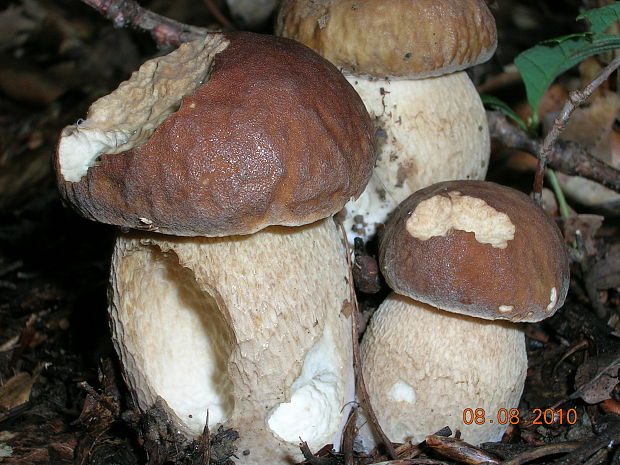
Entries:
{"x":429,"y":130}
{"x":253,"y":329}
{"x":424,"y":367}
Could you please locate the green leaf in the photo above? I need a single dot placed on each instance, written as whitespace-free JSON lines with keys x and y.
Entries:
{"x":541,"y":64}
{"x":601,"y":18}
{"x":500,"y":105}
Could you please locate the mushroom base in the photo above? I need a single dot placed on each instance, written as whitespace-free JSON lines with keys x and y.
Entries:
{"x":424,"y":367}
{"x":253,"y":329}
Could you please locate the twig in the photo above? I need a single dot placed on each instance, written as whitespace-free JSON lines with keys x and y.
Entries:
{"x":348,"y":438}
{"x":565,"y":156}
{"x":217,"y":14}
{"x":460,"y":451}
{"x":575,"y":98}
{"x":590,"y":447}
{"x":310,"y":458}
{"x":101,"y":399}
{"x":543,"y":451}
{"x":357,"y":363}
{"x":164,"y":31}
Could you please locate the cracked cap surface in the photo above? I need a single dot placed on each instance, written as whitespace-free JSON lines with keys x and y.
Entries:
{"x":272,"y":134}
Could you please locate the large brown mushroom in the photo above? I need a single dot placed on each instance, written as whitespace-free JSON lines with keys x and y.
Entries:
{"x":234,"y":134}
{"x":223,"y":136}
{"x":406,"y":59}
{"x":482,"y":252}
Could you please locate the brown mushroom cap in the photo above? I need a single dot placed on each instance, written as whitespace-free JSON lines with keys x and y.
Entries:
{"x":272,"y":134}
{"x":404,"y":38}
{"x":476,"y":248}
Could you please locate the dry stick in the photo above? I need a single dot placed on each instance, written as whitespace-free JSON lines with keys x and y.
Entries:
{"x":605,"y":439}
{"x":543,"y":451}
{"x":565,"y":156}
{"x":575,"y":98}
{"x":357,"y":363}
{"x":348,"y":437}
{"x":217,"y":14}
{"x":164,"y":31}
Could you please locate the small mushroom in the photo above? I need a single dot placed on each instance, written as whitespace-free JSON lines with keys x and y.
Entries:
{"x":482,"y":252}
{"x":431,"y":125}
{"x":248,"y":144}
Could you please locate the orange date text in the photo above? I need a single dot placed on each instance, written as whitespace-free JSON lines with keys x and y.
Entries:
{"x":512,"y":416}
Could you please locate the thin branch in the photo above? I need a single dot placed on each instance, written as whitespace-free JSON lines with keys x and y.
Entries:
{"x":164,"y":31}
{"x":218,"y":15}
{"x":543,"y":451}
{"x":564,"y":156}
{"x":575,"y":98}
{"x":364,"y":398}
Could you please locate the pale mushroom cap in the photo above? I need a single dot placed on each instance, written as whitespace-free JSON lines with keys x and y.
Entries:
{"x":226,"y":135}
{"x":399,"y":38}
{"x":429,"y":130}
{"x":265,"y":349}
{"x":423,"y":367}
{"x":476,"y":248}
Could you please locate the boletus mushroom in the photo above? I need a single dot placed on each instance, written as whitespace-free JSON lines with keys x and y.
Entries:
{"x":246,"y":145}
{"x":466,"y":260}
{"x":405,"y":58}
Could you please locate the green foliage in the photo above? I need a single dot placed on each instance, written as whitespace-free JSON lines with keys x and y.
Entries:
{"x":541,"y":64}
{"x":601,"y":18}
{"x":499,"y":105}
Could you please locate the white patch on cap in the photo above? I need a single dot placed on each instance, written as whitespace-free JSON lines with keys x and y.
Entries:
{"x":402,"y":392}
{"x":441,"y":214}
{"x":505,"y":308}
{"x":553,"y":299}
{"x":128,"y":116}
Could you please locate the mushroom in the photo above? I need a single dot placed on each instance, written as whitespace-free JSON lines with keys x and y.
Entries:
{"x":264,"y":132}
{"x":247,"y":144}
{"x":482,"y":252}
{"x":431,"y":122}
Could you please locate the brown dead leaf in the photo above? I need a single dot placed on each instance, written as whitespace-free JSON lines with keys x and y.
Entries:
{"x":591,"y":126}
{"x":596,"y":378}
{"x":16,"y":391}
{"x":605,"y":273}
{"x":15,"y":26}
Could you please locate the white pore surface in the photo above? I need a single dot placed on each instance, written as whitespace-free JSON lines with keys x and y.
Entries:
{"x":186,"y":338}
{"x":314,"y":409}
{"x":430,"y":130}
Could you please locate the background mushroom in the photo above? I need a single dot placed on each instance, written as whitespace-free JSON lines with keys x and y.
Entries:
{"x":479,"y":250}
{"x":431,"y":125}
{"x":225,"y":136}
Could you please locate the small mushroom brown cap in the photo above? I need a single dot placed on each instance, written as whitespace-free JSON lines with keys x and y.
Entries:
{"x":274,"y":136}
{"x":399,"y":38}
{"x":476,"y":248}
